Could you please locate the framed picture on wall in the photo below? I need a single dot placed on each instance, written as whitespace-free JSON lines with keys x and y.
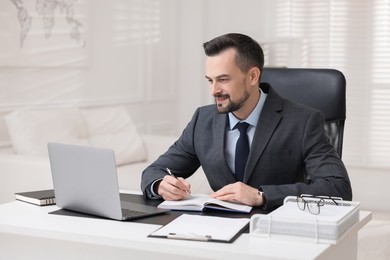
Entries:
{"x":44,"y":33}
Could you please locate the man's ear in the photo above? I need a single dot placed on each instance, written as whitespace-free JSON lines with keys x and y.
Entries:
{"x":254,"y":75}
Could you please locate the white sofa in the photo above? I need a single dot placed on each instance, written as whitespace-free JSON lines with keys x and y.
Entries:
{"x":23,"y":171}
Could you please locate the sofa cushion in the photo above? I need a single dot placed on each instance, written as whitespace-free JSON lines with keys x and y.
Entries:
{"x":31,"y":130}
{"x":113,"y":128}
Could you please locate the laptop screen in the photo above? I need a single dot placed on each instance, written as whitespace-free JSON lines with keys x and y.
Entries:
{"x":85,"y":179}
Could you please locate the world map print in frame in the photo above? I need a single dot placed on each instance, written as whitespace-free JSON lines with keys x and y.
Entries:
{"x":40,"y":33}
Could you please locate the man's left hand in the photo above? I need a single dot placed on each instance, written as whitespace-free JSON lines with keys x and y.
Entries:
{"x":239,"y":192}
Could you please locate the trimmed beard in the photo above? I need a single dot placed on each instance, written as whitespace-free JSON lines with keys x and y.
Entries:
{"x":232,"y":106}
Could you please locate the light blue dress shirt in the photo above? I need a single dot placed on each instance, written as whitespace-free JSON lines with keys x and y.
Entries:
{"x":232,"y":135}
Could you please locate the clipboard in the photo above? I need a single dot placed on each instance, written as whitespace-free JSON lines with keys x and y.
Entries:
{"x":202,"y":228}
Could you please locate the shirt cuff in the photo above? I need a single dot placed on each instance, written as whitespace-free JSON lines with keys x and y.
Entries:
{"x":153,"y":194}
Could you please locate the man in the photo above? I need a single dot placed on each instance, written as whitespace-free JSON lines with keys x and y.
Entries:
{"x":288,"y":145}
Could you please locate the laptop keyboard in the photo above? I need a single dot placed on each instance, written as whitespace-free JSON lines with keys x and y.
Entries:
{"x":128,"y":213}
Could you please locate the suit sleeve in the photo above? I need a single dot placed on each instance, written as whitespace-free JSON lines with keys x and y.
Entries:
{"x":327,"y":173}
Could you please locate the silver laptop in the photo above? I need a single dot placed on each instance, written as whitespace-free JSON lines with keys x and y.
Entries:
{"x":85,"y":180}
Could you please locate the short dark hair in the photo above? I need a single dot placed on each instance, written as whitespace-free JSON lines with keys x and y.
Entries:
{"x":249,"y":52}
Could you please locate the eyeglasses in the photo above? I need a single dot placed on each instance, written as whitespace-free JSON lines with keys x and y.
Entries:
{"x":314,"y":203}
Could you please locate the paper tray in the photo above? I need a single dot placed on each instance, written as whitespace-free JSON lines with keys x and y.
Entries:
{"x":289,"y":221}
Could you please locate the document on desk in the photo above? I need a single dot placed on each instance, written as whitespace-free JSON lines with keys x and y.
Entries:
{"x":333,"y":220}
{"x":202,"y":228}
{"x":201,"y":202}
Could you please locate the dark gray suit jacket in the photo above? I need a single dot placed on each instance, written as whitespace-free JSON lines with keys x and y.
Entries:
{"x":289,"y":145}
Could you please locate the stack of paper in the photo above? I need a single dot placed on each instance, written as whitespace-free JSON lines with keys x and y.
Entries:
{"x":290,"y":221}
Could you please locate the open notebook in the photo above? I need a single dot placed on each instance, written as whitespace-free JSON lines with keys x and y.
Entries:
{"x":201,"y":202}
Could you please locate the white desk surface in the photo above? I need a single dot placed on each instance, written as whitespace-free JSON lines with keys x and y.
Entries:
{"x":20,"y":220}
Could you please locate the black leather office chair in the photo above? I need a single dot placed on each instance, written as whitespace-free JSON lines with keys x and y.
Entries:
{"x":322,"y":89}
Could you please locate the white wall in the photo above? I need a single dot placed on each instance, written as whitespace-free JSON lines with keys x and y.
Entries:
{"x":370,"y":187}
{"x":160,"y":80}
{"x":127,"y":56}
{"x":190,"y":58}
{"x":200,"y":21}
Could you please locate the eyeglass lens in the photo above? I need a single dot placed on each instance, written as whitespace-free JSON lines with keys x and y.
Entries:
{"x":312,"y":206}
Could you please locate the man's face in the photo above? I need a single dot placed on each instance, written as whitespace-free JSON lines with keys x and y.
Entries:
{"x":229,"y":85}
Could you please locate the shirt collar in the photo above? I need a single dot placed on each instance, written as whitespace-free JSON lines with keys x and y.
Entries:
{"x":253,"y":118}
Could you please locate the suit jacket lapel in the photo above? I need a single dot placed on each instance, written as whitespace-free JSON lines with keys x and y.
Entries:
{"x":269,"y":120}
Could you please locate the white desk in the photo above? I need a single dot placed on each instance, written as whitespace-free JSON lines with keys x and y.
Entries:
{"x":29,"y":232}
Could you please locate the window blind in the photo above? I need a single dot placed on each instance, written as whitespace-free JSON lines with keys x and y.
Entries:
{"x":379,"y":138}
{"x":352,"y":36}
{"x":137,"y":22}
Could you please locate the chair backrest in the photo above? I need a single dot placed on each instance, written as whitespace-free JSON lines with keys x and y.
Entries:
{"x":322,"y":89}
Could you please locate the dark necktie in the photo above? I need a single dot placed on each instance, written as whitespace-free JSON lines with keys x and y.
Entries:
{"x":242,"y":151}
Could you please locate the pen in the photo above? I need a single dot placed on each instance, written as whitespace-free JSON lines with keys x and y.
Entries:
{"x":189,"y":237}
{"x":170,"y":173}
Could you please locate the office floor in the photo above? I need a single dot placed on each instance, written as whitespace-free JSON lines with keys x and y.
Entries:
{"x":374,"y":238}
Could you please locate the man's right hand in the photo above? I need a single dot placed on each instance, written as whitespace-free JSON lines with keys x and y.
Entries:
{"x":171,"y":188}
